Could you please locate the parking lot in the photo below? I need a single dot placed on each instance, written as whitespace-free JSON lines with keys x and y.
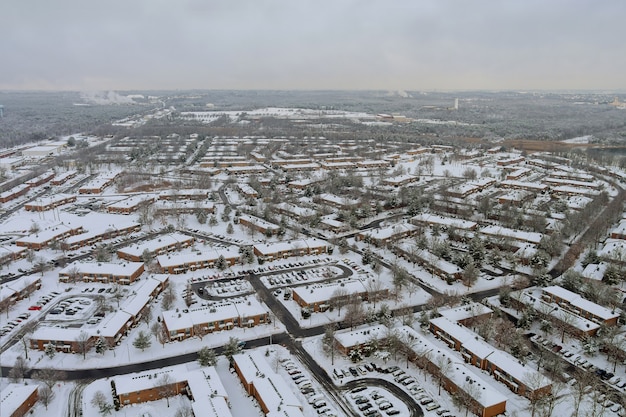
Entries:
{"x":74,"y":309}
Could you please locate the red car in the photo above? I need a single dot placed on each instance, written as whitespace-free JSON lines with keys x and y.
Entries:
{"x":34,"y":308}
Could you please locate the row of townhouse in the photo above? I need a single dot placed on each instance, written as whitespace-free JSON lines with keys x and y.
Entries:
{"x":184,"y":194}
{"x":580,"y":306}
{"x":41,"y":179}
{"x":169,"y":207}
{"x":14,"y":193}
{"x":269,"y":389}
{"x":260,"y":225}
{"x":100,"y":233}
{"x":157,"y":246}
{"x":112,"y":327}
{"x":103,"y":272}
{"x":382,"y":236}
{"x":9,"y":253}
{"x":45,"y":237}
{"x":471,"y":187}
{"x":48,"y":203}
{"x":619,"y":231}
{"x":63,"y":178}
{"x":223,"y":315}
{"x":285,"y":249}
{"x":569,"y":321}
{"x":319,"y":297}
{"x":502,"y":366}
{"x":203,"y":387}
{"x":246,"y":170}
{"x":400,"y":180}
{"x":14,"y":291}
{"x":456,"y":377}
{"x":130,"y":204}
{"x":247,"y":191}
{"x":296,"y":212}
{"x":338,"y":202}
{"x":181,"y":262}
{"x":16,"y":400}
{"x":432,"y":263}
{"x":100,"y":184}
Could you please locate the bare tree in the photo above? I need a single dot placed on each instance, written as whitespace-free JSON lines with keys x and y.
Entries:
{"x":146,"y":314}
{"x":564,"y":321}
{"x":328,"y":341}
{"x":83,"y":343}
{"x":374,"y":288}
{"x":159,"y":333}
{"x":49,"y":376}
{"x":45,"y":394}
{"x":166,"y":387}
{"x":184,"y":410}
{"x":534,"y":381}
{"x":355,"y":314}
{"x":200,"y":330}
{"x":19,"y":370}
{"x":467,"y":396}
{"x":99,"y":400}
{"x":169,"y":297}
{"x":338,"y":299}
{"x":444,"y":366}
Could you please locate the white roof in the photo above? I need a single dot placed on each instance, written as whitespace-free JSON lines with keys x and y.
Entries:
{"x":582,"y":303}
{"x":126,"y":384}
{"x":445,"y":221}
{"x":389,"y":231}
{"x":13,"y":396}
{"x":338,"y":200}
{"x":219,"y":311}
{"x":349,"y":338}
{"x":109,"y":268}
{"x":457,"y":372}
{"x":526,"y":185}
{"x":283,"y":246}
{"x":595,"y":271}
{"x":465,"y":311}
{"x":47,"y":234}
{"x":318,"y":293}
{"x":45,"y":201}
{"x":532,"y":297}
{"x":259,"y":222}
{"x":531,"y":237}
{"x":190,"y":256}
{"x":12,"y":287}
{"x":210,"y":396}
{"x":130,"y":202}
{"x":296,"y":210}
{"x":155,"y":244}
{"x":503,"y":360}
{"x":270,"y":386}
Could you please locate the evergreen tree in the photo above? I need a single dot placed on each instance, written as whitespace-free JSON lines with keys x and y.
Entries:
{"x":50,"y":350}
{"x":207,"y":357}
{"x":142,"y":341}
{"x":100,"y":345}
{"x":221,"y":263}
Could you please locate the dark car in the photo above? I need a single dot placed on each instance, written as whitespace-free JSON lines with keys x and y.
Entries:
{"x":353,"y":371}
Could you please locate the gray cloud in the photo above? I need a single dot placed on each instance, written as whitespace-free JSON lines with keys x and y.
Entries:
{"x":340,"y":44}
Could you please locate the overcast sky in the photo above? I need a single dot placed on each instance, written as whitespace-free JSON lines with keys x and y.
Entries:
{"x":313,"y":44}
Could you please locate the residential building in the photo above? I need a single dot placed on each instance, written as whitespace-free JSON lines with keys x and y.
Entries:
{"x":16,"y":400}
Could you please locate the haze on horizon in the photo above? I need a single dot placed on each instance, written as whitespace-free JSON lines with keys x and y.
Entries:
{"x":310,"y":45}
